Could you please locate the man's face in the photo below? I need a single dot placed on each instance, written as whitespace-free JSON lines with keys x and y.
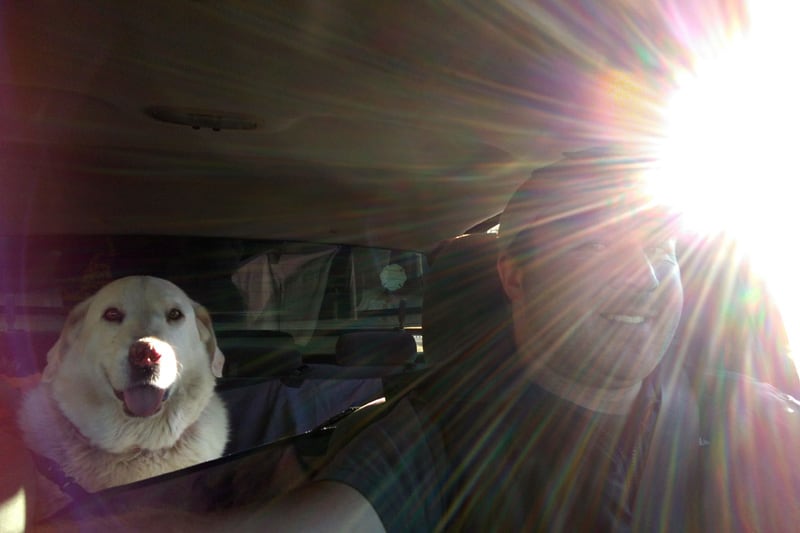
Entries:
{"x":596,"y":297}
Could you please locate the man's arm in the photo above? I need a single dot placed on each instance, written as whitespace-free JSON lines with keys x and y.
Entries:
{"x":319,"y":506}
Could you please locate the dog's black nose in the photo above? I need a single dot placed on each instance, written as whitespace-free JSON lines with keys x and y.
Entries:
{"x":143,"y":355}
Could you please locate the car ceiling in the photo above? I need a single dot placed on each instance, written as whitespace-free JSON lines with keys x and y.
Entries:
{"x":384,"y":123}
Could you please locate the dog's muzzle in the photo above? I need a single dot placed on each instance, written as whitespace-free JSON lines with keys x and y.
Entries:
{"x":145,"y":395}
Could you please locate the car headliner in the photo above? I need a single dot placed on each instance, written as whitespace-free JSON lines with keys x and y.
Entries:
{"x":382,"y":123}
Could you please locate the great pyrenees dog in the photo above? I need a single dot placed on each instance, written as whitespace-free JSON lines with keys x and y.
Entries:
{"x":128,"y":389}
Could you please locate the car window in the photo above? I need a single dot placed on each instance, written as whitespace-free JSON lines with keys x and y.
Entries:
{"x":301,"y":288}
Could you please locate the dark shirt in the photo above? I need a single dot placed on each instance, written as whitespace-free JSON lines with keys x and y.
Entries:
{"x":524,"y":460}
{"x":543,"y":463}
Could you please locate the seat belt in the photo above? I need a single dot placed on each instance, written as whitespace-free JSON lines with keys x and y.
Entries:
{"x":669,"y":488}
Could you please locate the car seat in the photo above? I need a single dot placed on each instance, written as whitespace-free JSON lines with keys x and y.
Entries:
{"x":467,"y":337}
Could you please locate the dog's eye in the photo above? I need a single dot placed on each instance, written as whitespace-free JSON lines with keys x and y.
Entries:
{"x":174,"y":314}
{"x":112,"y":314}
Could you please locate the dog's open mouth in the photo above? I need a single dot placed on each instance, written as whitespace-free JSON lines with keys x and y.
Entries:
{"x":142,"y":400}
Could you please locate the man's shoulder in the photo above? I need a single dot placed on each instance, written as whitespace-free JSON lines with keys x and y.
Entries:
{"x":395,"y":455}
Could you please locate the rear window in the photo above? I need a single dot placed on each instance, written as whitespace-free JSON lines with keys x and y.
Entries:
{"x":305,"y":289}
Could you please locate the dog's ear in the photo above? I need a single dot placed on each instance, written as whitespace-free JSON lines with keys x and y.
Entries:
{"x":206,"y":329}
{"x":69,"y":333}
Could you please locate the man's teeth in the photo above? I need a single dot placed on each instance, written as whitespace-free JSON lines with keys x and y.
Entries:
{"x":626,"y":319}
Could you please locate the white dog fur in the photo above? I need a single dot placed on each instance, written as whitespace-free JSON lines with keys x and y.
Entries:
{"x":80,"y":415}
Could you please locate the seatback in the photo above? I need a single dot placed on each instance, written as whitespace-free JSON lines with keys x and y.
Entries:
{"x":393,"y":348}
{"x":466,"y":320}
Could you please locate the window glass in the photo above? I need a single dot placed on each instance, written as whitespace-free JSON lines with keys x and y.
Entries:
{"x":301,"y":288}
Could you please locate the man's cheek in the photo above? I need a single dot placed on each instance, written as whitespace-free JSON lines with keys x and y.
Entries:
{"x":666,"y":270}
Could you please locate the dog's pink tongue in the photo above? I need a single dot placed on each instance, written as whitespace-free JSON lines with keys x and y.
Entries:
{"x":143,"y":400}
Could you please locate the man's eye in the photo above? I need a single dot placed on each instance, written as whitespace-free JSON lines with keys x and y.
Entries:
{"x":662,"y":252}
{"x":174,"y":314}
{"x":112,"y":314}
{"x":593,"y":246}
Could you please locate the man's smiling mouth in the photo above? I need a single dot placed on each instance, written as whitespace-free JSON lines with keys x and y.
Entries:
{"x":625,"y":319}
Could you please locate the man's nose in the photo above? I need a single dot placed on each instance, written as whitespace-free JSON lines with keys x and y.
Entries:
{"x":635,"y":270}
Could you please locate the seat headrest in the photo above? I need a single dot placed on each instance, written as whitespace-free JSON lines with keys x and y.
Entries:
{"x":464,"y":300}
{"x":376,"y":348}
{"x":258,"y":354}
{"x":466,"y":317}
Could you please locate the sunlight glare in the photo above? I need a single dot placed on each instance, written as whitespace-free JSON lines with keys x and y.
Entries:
{"x":729,"y":151}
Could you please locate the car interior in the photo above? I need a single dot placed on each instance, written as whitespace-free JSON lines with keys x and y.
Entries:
{"x":326,"y":178}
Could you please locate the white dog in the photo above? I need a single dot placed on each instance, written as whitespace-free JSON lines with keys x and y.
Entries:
{"x":128,"y":390}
